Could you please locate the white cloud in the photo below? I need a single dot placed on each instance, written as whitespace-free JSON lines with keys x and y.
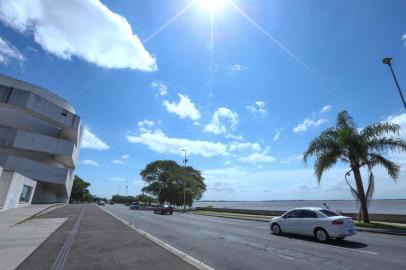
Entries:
{"x":307,"y":123}
{"x":91,"y":141}
{"x":126,"y":156}
{"x":258,"y":108}
{"x":161,"y":143}
{"x":8,"y":52}
{"x":161,"y":87}
{"x":257,"y":157}
{"x":326,"y":108}
{"x":399,"y":119}
{"x":146,"y":123}
{"x":185,"y":108}
{"x":277,"y":136}
{"x":217,"y":127}
{"x":90,"y":162}
{"x":117,"y":179}
{"x":288,"y":184}
{"x":292,"y":158}
{"x":238,"y":68}
{"x":404,"y":38}
{"x":83,"y":28}
{"x":234,"y":137}
{"x":243,"y":146}
{"x":119,"y":162}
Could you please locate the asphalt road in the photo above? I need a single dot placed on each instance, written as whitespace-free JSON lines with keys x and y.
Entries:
{"x":240,"y":244}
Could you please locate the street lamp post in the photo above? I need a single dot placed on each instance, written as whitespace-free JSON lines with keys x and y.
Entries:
{"x":388,"y":61}
{"x":184,"y":182}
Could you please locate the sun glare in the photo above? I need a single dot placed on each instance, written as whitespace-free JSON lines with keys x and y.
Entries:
{"x":211,"y":5}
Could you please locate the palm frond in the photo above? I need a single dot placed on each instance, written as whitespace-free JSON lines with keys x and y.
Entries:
{"x":326,"y":142}
{"x":391,"y":167}
{"x":384,"y":144}
{"x":324,"y":162}
{"x":379,"y":129}
{"x":345,"y":121}
{"x":371,"y":187}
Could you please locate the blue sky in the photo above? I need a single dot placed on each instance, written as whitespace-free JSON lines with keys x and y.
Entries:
{"x":243,"y":86}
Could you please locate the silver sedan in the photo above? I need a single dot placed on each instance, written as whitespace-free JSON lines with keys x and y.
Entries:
{"x":321,"y":223}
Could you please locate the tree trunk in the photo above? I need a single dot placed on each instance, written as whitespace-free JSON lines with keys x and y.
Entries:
{"x":361,"y":194}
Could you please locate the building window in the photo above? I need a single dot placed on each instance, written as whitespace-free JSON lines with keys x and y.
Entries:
{"x":26,"y":194}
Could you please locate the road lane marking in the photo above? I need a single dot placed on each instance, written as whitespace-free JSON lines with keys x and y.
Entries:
{"x":63,"y":253}
{"x":187,"y":258}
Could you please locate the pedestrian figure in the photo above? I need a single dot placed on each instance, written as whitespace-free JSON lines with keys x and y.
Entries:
{"x":326,"y":206}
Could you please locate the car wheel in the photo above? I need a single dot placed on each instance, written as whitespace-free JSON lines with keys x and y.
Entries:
{"x":340,"y":238}
{"x":276,"y":229}
{"x":321,"y":235}
{"x":170,"y":213}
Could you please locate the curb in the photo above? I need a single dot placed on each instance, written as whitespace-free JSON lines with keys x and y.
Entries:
{"x":232,"y":217}
{"x":42,"y":212}
{"x":187,"y":258}
{"x":381,"y":232}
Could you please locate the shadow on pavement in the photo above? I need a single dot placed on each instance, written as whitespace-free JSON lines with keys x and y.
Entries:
{"x":331,"y":242}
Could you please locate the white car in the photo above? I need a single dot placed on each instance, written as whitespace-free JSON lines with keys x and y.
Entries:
{"x":321,"y":223}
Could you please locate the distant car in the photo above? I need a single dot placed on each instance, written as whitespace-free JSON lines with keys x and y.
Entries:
{"x":163,"y":209}
{"x":101,"y":203}
{"x":321,"y":223}
{"x":111,"y":202}
{"x":134,"y":206}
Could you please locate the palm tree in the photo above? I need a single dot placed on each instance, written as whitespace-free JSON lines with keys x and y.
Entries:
{"x":359,"y":148}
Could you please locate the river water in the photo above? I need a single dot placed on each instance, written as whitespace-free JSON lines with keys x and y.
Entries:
{"x":377,"y":206}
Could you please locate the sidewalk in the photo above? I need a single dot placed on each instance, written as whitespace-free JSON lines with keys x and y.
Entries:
{"x":92,"y":239}
{"x":20,"y":235}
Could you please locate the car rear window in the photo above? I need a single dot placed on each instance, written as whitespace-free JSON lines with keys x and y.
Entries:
{"x":329,"y":213}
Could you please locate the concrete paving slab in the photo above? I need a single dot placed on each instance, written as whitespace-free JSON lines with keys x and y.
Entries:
{"x":19,"y":241}
{"x":13,"y":216}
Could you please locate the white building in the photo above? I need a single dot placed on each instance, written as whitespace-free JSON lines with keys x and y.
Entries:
{"x":39,"y":145}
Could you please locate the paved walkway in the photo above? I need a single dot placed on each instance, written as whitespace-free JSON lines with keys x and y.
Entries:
{"x":93,"y":239}
{"x":13,"y":216}
{"x":20,"y":235}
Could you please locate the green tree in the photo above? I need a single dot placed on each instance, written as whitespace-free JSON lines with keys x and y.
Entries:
{"x":165,"y":179}
{"x":358,"y":148}
{"x":80,"y":192}
{"x":145,"y":199}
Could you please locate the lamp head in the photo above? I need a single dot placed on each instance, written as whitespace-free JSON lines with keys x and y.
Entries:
{"x":387,"y":60}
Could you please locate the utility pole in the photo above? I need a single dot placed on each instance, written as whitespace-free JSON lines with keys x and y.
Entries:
{"x":184,"y":182}
{"x":126,"y":188}
{"x":388,"y":61}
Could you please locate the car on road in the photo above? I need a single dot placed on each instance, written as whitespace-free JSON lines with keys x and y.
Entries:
{"x":163,"y":209}
{"x":134,"y":206}
{"x":101,"y":203}
{"x":321,"y":223}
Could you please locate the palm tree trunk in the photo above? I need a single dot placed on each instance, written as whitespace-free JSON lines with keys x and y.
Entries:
{"x":361,"y":194}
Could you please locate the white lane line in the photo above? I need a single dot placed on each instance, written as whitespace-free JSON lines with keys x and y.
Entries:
{"x":189,"y":259}
{"x":351,"y":249}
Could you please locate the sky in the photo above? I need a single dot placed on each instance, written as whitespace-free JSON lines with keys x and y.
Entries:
{"x":242,"y":85}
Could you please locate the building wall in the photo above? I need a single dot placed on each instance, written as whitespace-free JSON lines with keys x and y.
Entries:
{"x":11,"y":186}
{"x":40,"y":137}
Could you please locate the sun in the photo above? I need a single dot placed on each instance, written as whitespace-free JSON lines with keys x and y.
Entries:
{"x":211,"y":5}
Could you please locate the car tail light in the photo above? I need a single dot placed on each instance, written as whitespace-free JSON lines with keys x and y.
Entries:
{"x":337,"y":222}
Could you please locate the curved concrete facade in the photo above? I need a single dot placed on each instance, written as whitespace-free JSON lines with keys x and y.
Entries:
{"x":40,"y":136}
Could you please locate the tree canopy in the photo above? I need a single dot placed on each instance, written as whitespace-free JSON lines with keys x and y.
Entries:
{"x":165,"y":180}
{"x":80,"y":192}
{"x":358,"y":148}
